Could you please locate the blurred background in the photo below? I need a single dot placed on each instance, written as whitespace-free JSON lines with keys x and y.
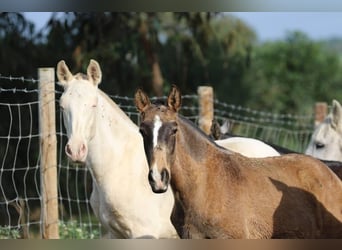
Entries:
{"x":275,"y":61}
{"x":267,"y":71}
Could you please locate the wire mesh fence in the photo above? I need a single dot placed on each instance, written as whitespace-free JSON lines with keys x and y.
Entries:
{"x":286,"y":130}
{"x":20,"y":154}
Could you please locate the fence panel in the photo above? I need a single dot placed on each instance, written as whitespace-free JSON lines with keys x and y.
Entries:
{"x":20,"y":196}
{"x":20,"y":154}
{"x":287,"y":130}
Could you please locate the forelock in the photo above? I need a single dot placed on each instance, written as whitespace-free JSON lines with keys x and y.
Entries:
{"x":81,"y":76}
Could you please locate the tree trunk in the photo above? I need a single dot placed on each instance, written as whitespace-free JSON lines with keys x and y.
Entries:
{"x":157,"y":77}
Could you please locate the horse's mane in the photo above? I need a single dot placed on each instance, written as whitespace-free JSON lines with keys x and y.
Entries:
{"x":193,"y":125}
{"x":81,"y":76}
{"x":158,"y":101}
{"x":234,"y":170}
{"x":115,"y":106}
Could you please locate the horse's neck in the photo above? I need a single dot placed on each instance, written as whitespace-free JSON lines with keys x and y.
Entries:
{"x":194,"y":140}
{"x":114,"y":123}
{"x":189,"y":170}
{"x":116,"y":143}
{"x":191,"y":140}
{"x":194,"y":165}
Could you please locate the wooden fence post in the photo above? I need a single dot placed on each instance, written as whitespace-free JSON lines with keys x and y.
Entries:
{"x":48,"y":147}
{"x":321,"y":110}
{"x":206,"y":107}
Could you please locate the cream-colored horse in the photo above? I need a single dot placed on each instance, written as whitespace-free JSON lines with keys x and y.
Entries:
{"x":246,"y":146}
{"x":249,"y":147}
{"x":108,"y":142}
{"x":326,"y":140}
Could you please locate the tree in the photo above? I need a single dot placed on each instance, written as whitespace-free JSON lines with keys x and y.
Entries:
{"x":290,"y":76}
{"x":16,"y":44}
{"x":209,"y":49}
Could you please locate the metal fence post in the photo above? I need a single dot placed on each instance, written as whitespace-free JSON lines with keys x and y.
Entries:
{"x":48,"y":146}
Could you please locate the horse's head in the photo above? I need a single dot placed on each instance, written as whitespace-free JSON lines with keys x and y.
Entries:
{"x":326,"y":140}
{"x":78,"y":103}
{"x":158,"y":128}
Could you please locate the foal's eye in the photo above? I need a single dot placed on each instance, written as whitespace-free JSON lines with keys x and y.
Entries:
{"x":173,"y":131}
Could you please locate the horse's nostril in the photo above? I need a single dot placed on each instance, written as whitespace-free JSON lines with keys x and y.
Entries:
{"x":82,"y":149}
{"x":68,"y":149}
{"x":150,"y":177}
{"x":165,"y":176}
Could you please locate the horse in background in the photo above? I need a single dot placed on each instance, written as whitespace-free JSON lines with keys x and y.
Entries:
{"x":249,"y":147}
{"x":220,"y":133}
{"x":103,"y":137}
{"x":223,"y":194}
{"x":326,"y":140}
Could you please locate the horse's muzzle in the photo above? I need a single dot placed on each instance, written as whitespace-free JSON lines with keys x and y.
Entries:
{"x":77,"y":154}
{"x":159,"y":182}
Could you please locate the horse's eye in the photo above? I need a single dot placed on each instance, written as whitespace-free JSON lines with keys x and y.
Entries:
{"x":173,"y":130}
{"x":319,"y":145}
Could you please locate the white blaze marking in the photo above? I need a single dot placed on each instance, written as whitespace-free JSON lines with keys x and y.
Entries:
{"x":157,"y":124}
{"x":155,"y":173}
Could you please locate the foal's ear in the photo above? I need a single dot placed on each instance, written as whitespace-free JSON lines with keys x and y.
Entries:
{"x":336,"y":114}
{"x":94,"y":72}
{"x":174,"y":99}
{"x":141,"y":100}
{"x":63,"y":73}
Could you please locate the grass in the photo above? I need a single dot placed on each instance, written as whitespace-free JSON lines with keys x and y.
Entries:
{"x":7,"y":232}
{"x":67,"y":230}
{"x":74,"y":230}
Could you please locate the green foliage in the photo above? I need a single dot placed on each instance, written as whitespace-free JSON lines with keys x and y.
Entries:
{"x":9,"y":233}
{"x":73,"y":230}
{"x":217,"y":58}
{"x":191,"y":48}
{"x":290,"y":76}
{"x":67,"y":230}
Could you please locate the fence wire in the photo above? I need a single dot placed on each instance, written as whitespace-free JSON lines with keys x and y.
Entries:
{"x":20,"y":192}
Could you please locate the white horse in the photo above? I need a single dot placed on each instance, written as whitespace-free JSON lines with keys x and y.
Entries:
{"x":326,"y":140}
{"x":248,"y":147}
{"x":103,"y":137}
{"x":255,"y":148}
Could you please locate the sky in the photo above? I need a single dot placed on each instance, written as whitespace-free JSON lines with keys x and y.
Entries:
{"x":275,"y":25}
{"x":267,"y":25}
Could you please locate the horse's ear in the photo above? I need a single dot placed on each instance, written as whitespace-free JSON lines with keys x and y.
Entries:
{"x":141,"y":100}
{"x":63,"y":73}
{"x":215,"y":129}
{"x":94,"y":72}
{"x":174,"y":99}
{"x":336,"y":113}
{"x":225,"y":127}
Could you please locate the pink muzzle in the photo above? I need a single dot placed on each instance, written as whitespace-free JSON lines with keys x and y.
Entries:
{"x":77,"y":152}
